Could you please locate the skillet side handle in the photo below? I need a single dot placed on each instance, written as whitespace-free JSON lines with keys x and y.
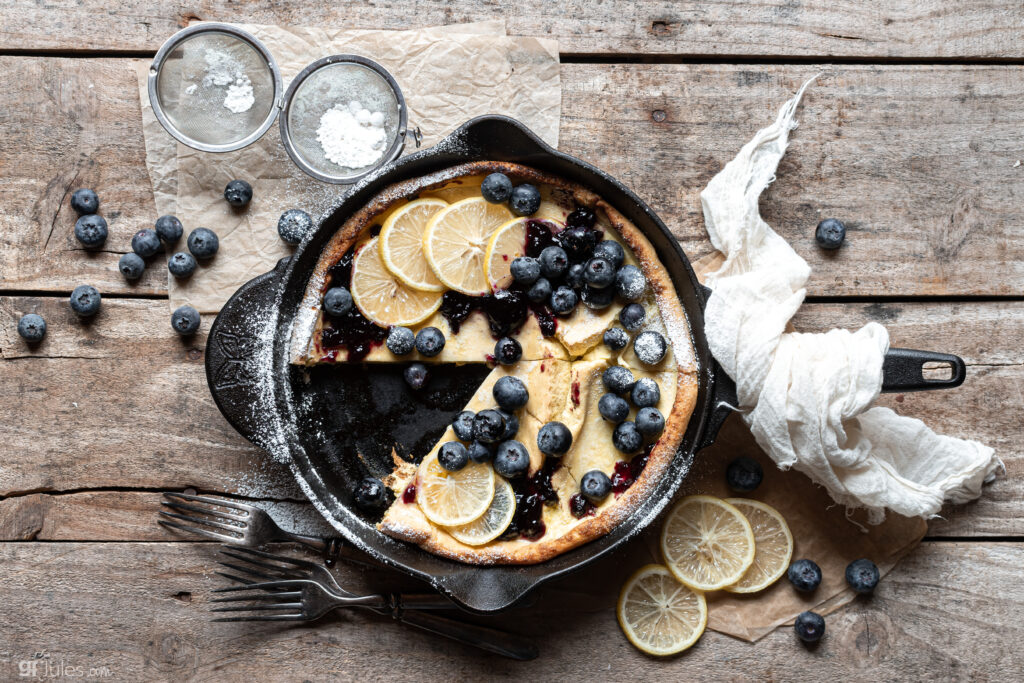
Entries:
{"x":232,"y":353}
{"x":903,"y":371}
{"x":723,"y":403}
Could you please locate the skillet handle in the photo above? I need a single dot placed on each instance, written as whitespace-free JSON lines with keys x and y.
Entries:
{"x":232,"y":358}
{"x":903,"y":370}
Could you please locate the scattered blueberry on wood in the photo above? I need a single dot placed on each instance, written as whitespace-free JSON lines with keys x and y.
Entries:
{"x":830,"y":233}
{"x":805,"y":575}
{"x":862,"y":575}
{"x":809,"y":627}
{"x":85,"y":201}
{"x":169,"y":229}
{"x":181,"y":264}
{"x":146,"y":242}
{"x":32,"y":328}
{"x":185,"y":321}
{"x":131,"y":266}
{"x":744,"y":474}
{"x":238,"y":193}
{"x":294,"y":225}
{"x":91,"y":231}
{"x":85,"y":301}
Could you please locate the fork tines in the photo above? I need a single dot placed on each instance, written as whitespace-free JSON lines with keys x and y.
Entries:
{"x":262,"y":602}
{"x":224,"y":519}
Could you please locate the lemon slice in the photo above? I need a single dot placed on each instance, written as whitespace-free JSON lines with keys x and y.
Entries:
{"x":454,"y":498}
{"x":401,"y":244}
{"x":773,"y":545}
{"x":381,"y":297}
{"x":492,"y":523}
{"x":659,"y":615}
{"x":507,"y":243}
{"x":455,"y":243}
{"x":707,"y":543}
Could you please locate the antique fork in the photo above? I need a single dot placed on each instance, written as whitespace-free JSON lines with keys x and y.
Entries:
{"x":308,"y":600}
{"x":236,"y":523}
{"x":260,"y":566}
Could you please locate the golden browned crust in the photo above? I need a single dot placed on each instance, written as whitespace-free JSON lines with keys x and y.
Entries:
{"x":608,"y":517}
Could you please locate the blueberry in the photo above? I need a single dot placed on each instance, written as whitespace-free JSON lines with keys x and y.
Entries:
{"x":429,"y":341}
{"x":32,"y":327}
{"x":650,"y":347}
{"x":744,"y":474}
{"x":524,"y":200}
{"x":169,"y":229}
{"x":85,"y":201}
{"x":563,"y":300}
{"x":805,"y":575}
{"x":616,"y":338}
{"x":401,"y":340}
{"x":453,"y":456}
{"x":496,"y":188}
{"x":830,"y":233}
{"x":185,"y":320}
{"x":91,"y":230}
{"x":416,"y":375}
{"x":581,"y":217}
{"x":809,"y":627}
{"x":613,"y":408}
{"x":462,"y":425}
{"x":511,"y":425}
{"x":632,"y":316}
{"x":370,"y":495}
{"x":525,"y":269}
{"x":85,"y":301}
{"x":618,"y":379}
{"x":627,"y":438}
{"x":574,"y":277}
{"x":650,"y":422}
{"x":645,"y":393}
{"x":131,"y":266}
{"x":488,"y":426}
{"x":553,"y":262}
{"x":181,"y":264}
{"x":862,"y":575}
{"x":510,"y":393}
{"x":598,"y":273}
{"x":146,"y":242}
{"x":630,"y":283}
{"x":480,"y":452}
{"x":578,"y":241}
{"x":540,"y":291}
{"x":597,"y":299}
{"x":512,"y":459}
{"x":337,"y":301}
{"x":507,"y":351}
{"x":595,"y":486}
{"x":610,"y":251}
{"x":203,"y":243}
{"x":238,"y":193}
{"x":554,"y":439}
{"x":294,"y":225}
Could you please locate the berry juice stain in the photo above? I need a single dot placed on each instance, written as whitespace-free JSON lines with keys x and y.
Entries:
{"x":628,"y":472}
{"x":580,"y":507}
{"x":409,"y":494}
{"x":576,"y":393}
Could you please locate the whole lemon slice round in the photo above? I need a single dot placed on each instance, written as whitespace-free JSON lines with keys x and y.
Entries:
{"x":659,"y":615}
{"x":773,"y":545}
{"x":401,"y":244}
{"x":492,"y":523}
{"x":454,"y":498}
{"x":707,"y":543}
{"x":455,"y":243}
{"x":507,"y":243}
{"x":382,"y":297}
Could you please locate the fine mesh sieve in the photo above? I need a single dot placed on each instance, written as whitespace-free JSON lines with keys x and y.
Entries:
{"x":214,"y":87}
{"x":343,"y":83}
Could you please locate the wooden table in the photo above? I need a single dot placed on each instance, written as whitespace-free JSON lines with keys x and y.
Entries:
{"x":913,"y":136}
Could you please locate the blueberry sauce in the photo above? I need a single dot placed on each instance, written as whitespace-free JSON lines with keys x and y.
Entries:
{"x":409,"y":494}
{"x":628,"y":472}
{"x":350,"y":331}
{"x":580,"y":507}
{"x":538,"y":237}
{"x":575,"y":393}
{"x":532,"y":494}
{"x":506,"y":311}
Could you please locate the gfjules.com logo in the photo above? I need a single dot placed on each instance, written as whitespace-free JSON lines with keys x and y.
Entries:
{"x":41,"y":665}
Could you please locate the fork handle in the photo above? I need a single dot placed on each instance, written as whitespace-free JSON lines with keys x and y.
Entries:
{"x":482,"y":637}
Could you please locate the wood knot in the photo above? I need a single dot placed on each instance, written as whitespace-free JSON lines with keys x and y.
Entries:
{"x":660,"y":28}
{"x":658,"y":115}
{"x":194,"y":354}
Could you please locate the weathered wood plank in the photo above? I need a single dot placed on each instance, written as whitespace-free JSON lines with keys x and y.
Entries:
{"x":779,"y":28}
{"x":918,"y":160}
{"x":124,"y":403}
{"x":948,"y":611}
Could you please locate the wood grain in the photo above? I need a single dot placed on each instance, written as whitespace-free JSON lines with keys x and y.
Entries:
{"x":123,"y":402}
{"x":949,"y":611}
{"x":776,"y":28}
{"x":918,"y":160}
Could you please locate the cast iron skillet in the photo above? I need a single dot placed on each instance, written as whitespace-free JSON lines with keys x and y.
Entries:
{"x":339,"y":422}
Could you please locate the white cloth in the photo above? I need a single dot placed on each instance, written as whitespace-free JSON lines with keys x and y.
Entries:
{"x":807,"y":397}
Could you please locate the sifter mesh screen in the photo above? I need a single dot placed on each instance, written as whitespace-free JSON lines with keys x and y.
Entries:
{"x":214,"y":88}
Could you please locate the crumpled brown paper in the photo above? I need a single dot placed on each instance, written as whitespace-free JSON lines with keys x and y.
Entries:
{"x":447,"y":74}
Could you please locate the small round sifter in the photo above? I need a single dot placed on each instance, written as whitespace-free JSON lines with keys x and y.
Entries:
{"x":215,"y":87}
{"x":342,"y":117}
